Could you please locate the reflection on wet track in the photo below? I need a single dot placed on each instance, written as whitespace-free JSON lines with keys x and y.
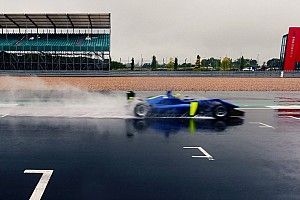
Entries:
{"x":169,"y":126}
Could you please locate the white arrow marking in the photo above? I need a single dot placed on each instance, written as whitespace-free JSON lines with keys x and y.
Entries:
{"x":262,"y":125}
{"x":207,"y":155}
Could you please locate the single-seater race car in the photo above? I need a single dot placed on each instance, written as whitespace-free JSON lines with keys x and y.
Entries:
{"x":169,"y":105}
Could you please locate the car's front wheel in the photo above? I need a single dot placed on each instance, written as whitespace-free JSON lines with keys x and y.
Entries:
{"x":141,"y":110}
{"x":220,"y":112}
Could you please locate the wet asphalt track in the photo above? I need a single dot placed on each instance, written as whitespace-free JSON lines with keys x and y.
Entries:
{"x":257,"y":158}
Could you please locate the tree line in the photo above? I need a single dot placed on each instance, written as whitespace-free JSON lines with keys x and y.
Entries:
{"x":205,"y":64}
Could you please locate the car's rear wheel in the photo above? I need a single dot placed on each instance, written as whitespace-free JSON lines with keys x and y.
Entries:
{"x":141,"y":110}
{"x":220,"y":112}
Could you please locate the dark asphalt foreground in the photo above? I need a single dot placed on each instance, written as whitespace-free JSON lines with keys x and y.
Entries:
{"x":255,"y":158}
{"x":129,"y":159}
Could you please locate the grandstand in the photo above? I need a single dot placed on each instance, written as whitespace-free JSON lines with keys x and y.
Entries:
{"x":55,"y":41}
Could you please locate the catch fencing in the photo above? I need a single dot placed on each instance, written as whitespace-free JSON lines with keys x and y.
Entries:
{"x":238,"y":74}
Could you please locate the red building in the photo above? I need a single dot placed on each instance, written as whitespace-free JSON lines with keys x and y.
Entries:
{"x":290,"y":50}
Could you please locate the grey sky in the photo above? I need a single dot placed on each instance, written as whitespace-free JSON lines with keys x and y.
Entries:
{"x":183,"y":28}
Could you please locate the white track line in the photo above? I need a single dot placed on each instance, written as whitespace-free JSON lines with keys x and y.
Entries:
{"x":262,"y":125}
{"x":4,"y":115}
{"x":291,"y":107}
{"x":255,"y":108}
{"x":207,"y":155}
{"x":8,"y":105}
{"x":294,"y":117}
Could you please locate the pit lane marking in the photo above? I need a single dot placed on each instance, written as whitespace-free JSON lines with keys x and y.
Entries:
{"x":262,"y":125}
{"x":42,"y":184}
{"x":207,"y":155}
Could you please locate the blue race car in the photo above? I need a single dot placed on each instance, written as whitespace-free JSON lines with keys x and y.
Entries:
{"x":171,"y":106}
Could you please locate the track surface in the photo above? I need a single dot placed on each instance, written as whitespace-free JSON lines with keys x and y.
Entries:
{"x":128,"y":159}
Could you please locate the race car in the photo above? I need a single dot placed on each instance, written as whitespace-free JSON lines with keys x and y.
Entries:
{"x":169,"y":105}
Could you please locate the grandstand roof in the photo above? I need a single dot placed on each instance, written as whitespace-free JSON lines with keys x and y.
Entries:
{"x":76,"y":21}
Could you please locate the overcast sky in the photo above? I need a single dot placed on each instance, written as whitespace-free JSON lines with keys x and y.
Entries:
{"x":183,"y":28}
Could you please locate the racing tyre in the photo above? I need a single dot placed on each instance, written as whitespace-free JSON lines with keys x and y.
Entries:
{"x":141,"y":110}
{"x":220,"y":112}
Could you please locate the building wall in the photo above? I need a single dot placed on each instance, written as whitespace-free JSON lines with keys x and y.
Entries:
{"x":292,"y":51}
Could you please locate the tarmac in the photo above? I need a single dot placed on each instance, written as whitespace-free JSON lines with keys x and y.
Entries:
{"x":89,"y":157}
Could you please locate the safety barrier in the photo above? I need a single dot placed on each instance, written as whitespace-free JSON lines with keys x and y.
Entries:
{"x":241,"y":74}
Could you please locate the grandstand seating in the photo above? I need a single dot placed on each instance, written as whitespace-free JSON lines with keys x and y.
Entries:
{"x":71,"y":45}
{"x":9,"y":40}
{"x":55,"y":42}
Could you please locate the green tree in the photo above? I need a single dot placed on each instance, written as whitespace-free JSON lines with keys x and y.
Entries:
{"x":176,"y":64}
{"x":170,"y":65}
{"x":205,"y":63}
{"x":226,"y":64}
{"x":210,"y":64}
{"x":186,"y":66}
{"x":242,"y":63}
{"x":153,"y":63}
{"x":274,"y":63}
{"x":215,"y":63}
{"x":264,"y":67}
{"x":198,"y":61}
{"x":132,"y":64}
{"x":253,"y":63}
{"x":117,"y":65}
